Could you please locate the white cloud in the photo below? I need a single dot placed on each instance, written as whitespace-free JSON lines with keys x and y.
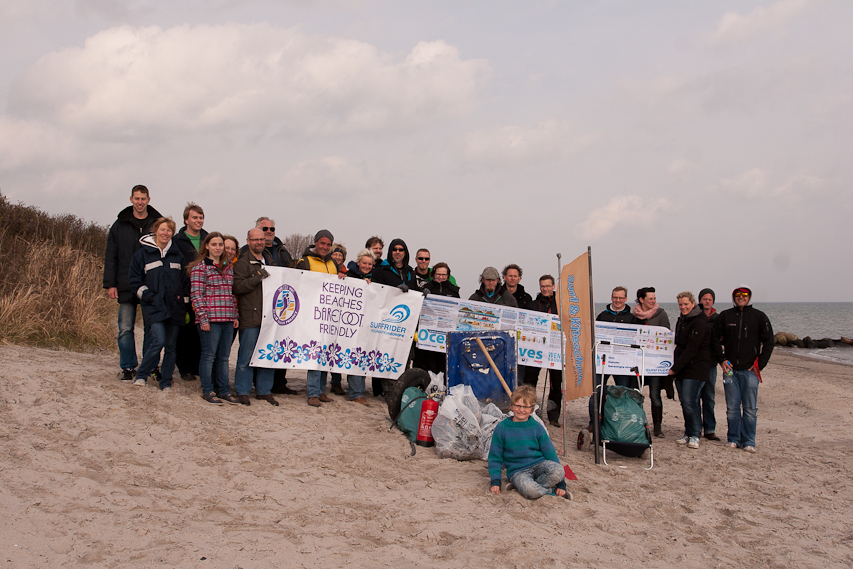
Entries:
{"x":753,"y":182}
{"x":516,"y":143}
{"x":734,"y":28}
{"x":632,"y":211}
{"x":127,"y":83}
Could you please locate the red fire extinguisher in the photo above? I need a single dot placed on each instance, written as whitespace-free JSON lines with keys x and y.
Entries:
{"x":429,"y":409}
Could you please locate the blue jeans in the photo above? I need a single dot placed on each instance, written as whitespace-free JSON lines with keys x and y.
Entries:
{"x":244,"y":374}
{"x":538,"y":480}
{"x":742,"y":407}
{"x":161,"y":336}
{"x":316,"y":382}
{"x":689,"y":392}
{"x":709,"y":422}
{"x":126,"y":337}
{"x":356,"y":386}
{"x":215,"y":349}
{"x":619,"y":380}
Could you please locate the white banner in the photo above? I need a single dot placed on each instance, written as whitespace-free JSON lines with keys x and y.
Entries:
{"x":318,"y":321}
{"x":658,"y":342}
{"x":538,"y":333}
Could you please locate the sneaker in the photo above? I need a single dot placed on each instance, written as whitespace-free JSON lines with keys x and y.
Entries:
{"x":325,"y":398}
{"x":314,"y":402}
{"x":244,"y":400}
{"x":337,"y":389}
{"x":139,"y":382}
{"x":212,"y":398}
{"x":167,"y":389}
{"x":683,"y":440}
{"x":268,"y":398}
{"x":128,"y":374}
{"x":731,"y":445}
{"x":750,"y":449}
{"x":693,"y":442}
{"x":361,"y":400}
{"x":228,"y":398}
{"x":712,"y":437}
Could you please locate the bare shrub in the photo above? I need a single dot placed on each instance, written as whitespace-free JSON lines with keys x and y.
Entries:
{"x":296,"y":244}
{"x":51,"y":292}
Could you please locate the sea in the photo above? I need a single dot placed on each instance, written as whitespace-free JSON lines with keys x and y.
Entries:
{"x":815,"y":319}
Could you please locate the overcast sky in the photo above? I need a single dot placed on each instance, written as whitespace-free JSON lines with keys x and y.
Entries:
{"x":690,"y":144}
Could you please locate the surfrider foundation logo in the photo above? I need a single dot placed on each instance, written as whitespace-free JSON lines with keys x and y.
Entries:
{"x":285,"y":305}
{"x":398,"y":314}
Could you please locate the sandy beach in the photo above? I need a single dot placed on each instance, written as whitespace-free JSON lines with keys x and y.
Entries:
{"x":95,"y":472}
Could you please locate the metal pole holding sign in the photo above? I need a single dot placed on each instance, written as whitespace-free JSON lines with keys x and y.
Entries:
{"x":596,"y":439}
{"x":562,"y":350}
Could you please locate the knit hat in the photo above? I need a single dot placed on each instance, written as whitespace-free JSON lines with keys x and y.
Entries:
{"x":705,"y":291}
{"x":490,"y":273}
{"x":324,"y":233}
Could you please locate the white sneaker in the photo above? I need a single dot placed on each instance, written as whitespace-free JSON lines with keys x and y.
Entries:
{"x":683,"y":440}
{"x":139,"y":381}
{"x":731,"y":445}
{"x":750,"y":449}
{"x":167,"y":390}
{"x":693,"y":442}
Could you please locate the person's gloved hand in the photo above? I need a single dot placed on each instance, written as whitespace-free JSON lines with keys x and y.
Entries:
{"x":264,"y":274}
{"x":404,"y":287}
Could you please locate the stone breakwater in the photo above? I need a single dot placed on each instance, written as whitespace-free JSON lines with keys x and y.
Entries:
{"x":792,"y":340}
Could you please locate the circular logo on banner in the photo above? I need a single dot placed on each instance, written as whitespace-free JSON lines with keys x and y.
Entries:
{"x":285,"y":305}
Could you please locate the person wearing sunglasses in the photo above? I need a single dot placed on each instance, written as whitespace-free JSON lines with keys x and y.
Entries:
{"x":280,"y":258}
{"x":395,"y":270}
{"x":742,"y":343}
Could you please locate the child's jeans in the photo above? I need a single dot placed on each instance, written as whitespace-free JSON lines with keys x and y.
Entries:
{"x":538,"y":480}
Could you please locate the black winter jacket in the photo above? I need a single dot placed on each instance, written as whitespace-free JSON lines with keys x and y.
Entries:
{"x":501,"y":296}
{"x":122,"y":243}
{"x":741,"y":336}
{"x":445,"y":288}
{"x":692,"y":346}
{"x":159,"y":280}
{"x":624,"y":316}
{"x":522,"y":299}
{"x":285,"y":259}
{"x":185,"y":246}
{"x":545,"y":304}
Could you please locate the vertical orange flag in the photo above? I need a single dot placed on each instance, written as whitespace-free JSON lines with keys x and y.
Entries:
{"x":576,"y":320}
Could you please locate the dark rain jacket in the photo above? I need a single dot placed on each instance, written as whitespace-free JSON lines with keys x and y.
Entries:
{"x":443,"y":289}
{"x":545,"y":304}
{"x":122,"y":243}
{"x":692,"y":346}
{"x":624,"y":316}
{"x":159,"y":280}
{"x":185,"y":246}
{"x":741,"y":337}
{"x":386,"y":273}
{"x":500,"y":296}
{"x":522,"y":299}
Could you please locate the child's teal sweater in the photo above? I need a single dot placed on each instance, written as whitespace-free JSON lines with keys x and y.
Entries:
{"x":519,"y":445}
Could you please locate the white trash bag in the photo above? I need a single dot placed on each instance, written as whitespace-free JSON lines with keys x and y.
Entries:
{"x":463,"y":428}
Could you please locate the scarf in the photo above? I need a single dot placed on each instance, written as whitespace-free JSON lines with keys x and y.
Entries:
{"x":644,"y":314}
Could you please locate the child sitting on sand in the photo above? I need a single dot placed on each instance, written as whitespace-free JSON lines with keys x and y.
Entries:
{"x":522,"y":445}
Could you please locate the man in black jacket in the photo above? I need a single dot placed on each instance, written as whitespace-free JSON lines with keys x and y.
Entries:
{"x":491,"y":291}
{"x":617,"y":311}
{"x":132,"y":223}
{"x":280,"y":258}
{"x":546,"y":301}
{"x":742,"y":343}
{"x":189,"y":240}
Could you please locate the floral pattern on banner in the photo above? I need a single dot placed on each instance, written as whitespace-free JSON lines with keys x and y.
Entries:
{"x":331,"y":356}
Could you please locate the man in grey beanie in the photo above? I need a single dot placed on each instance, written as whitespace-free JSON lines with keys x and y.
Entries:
{"x":490,"y":290}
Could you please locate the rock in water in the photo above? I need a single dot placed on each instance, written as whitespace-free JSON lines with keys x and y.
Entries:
{"x":825,"y":343}
{"x":809,"y":343}
{"x":847,"y":341}
{"x":781,"y":339}
{"x":791,"y":337}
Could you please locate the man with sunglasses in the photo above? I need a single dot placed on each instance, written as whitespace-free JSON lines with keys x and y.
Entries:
{"x":742,"y":343}
{"x":421,"y":272}
{"x":395,"y":270}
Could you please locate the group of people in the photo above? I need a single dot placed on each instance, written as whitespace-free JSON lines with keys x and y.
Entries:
{"x":739,"y":340}
{"x":199,"y":291}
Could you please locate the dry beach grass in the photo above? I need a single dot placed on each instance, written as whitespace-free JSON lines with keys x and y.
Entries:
{"x":98,"y":473}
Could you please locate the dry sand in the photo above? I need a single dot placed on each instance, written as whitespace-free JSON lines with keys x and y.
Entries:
{"x":95,"y":472}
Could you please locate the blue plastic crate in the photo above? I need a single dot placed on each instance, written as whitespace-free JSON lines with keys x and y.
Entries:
{"x":467,"y":365}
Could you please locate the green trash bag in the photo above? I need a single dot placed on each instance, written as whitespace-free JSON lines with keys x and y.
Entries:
{"x":410,"y":414}
{"x":624,"y":419}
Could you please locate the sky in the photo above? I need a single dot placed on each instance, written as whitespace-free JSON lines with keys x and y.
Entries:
{"x":689,"y":144}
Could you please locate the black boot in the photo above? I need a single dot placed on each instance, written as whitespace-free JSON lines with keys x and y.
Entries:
{"x":669,"y":387}
{"x":657,"y":419}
